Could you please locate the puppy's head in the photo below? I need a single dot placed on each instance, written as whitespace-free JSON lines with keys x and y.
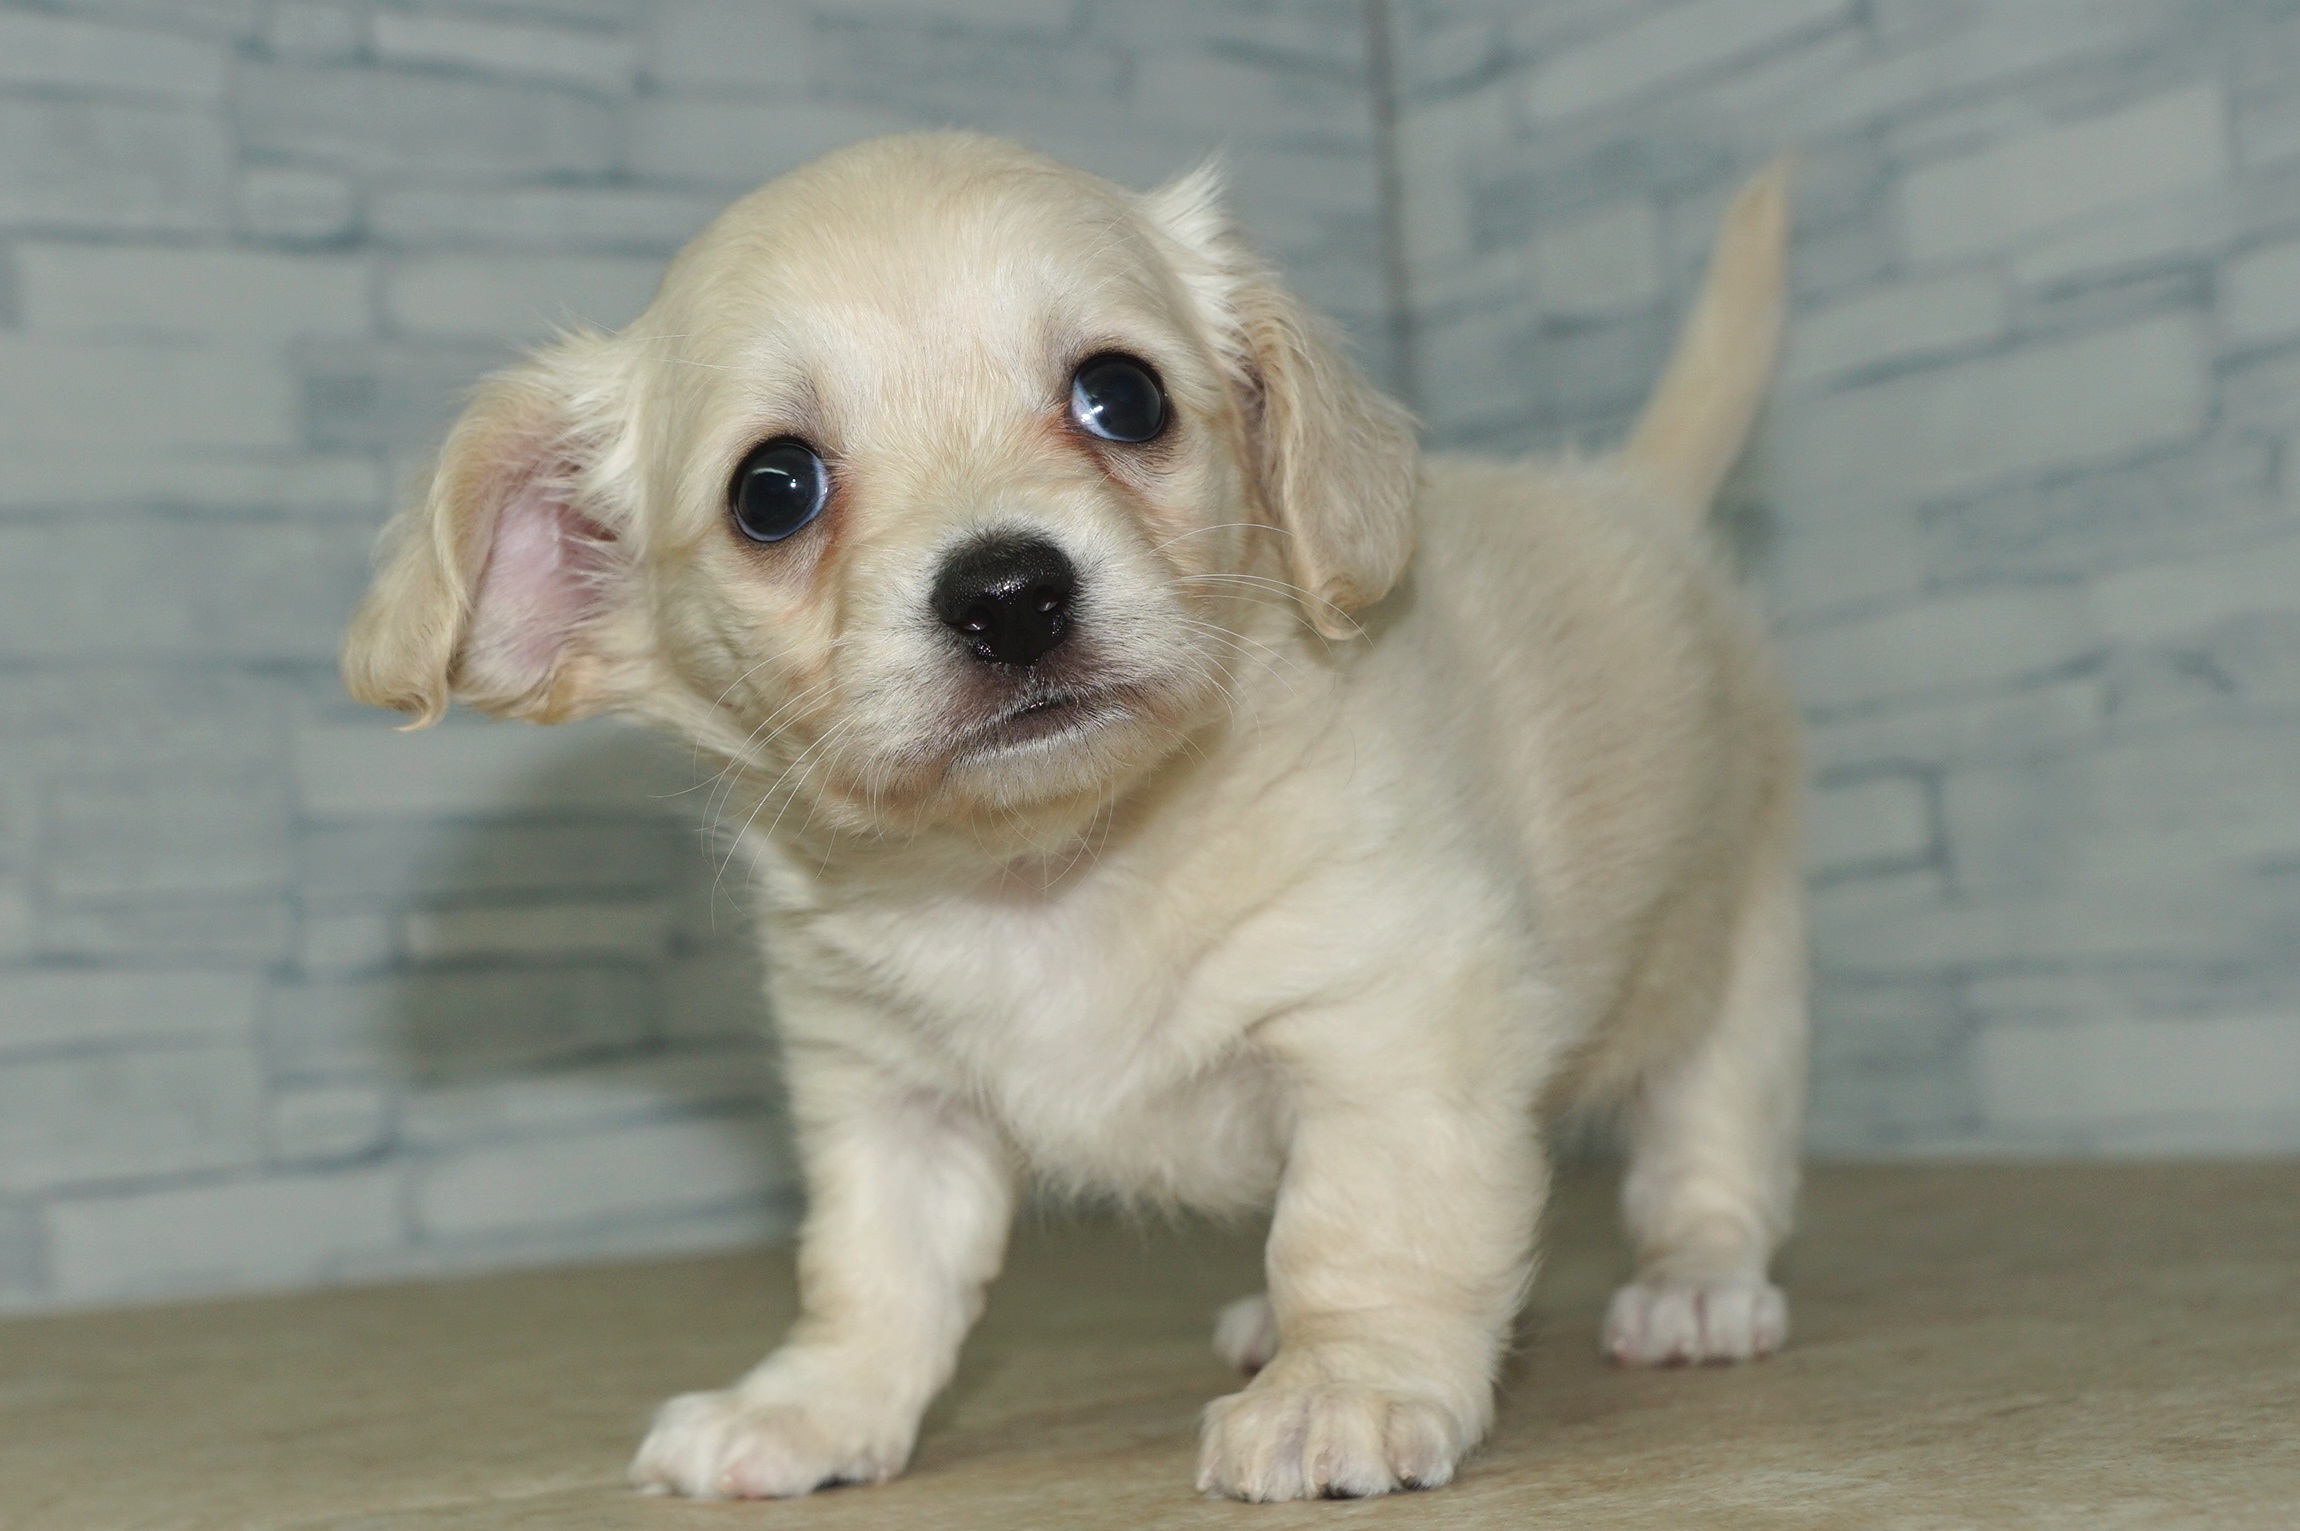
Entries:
{"x":933,"y":482}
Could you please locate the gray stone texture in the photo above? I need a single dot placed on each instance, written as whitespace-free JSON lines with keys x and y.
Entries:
{"x":287,"y":997}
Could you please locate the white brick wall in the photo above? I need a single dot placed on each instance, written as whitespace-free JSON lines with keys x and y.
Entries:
{"x":226,"y":295}
{"x":127,"y":591}
{"x":71,"y":1008}
{"x":2218,"y":1084}
{"x":85,"y":396}
{"x":1907,"y":322}
{"x":1934,"y":434}
{"x":106,"y":1116}
{"x":602,"y":61}
{"x":1673,"y":43}
{"x":1954,"y":644}
{"x":481,"y":297}
{"x":631,"y":1172}
{"x":1990,"y":200}
{"x":606,"y":219}
{"x":281,"y":1230}
{"x":56,"y":52}
{"x":368,"y":767}
{"x":112,"y":167}
{"x":1606,"y":264}
{"x":1877,"y":824}
{"x":2260,"y":296}
{"x":637,"y":931}
{"x":728,"y":45}
{"x":287,"y":996}
{"x":737,"y":143}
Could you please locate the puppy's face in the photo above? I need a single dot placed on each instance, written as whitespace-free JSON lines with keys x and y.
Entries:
{"x":946,"y":478}
{"x":934,"y":484}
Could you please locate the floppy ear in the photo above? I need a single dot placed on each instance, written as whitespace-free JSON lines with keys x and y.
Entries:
{"x":1335,"y":459}
{"x":495,"y":588}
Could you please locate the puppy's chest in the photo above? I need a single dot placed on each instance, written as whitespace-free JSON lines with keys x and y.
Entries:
{"x":1087,"y":987}
{"x":1109,"y":1030}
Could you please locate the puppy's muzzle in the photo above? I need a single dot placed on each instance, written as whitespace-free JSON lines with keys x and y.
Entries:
{"x":1008,"y":598}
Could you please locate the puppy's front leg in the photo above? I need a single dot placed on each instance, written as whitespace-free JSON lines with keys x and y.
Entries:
{"x":1400,"y":1249}
{"x":909,"y":1198}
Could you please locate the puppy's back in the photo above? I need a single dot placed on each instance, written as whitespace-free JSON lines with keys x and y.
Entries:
{"x":1580,"y":636}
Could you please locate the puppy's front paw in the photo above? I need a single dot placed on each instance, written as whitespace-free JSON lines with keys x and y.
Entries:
{"x":1311,"y":1439}
{"x":741,"y":1445}
{"x":1687,"y":1323}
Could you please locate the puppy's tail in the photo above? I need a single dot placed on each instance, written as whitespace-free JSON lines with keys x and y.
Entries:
{"x":1698,"y":419}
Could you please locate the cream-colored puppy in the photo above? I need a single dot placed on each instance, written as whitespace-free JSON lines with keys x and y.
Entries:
{"x":1159,"y":781}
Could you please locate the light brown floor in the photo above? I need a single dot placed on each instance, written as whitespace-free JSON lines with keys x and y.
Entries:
{"x":2080,"y":1347}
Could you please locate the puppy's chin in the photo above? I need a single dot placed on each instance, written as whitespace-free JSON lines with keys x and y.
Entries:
{"x":1051,"y":719}
{"x":1058,"y":743}
{"x":1049,"y":743}
{"x":1047,"y":756}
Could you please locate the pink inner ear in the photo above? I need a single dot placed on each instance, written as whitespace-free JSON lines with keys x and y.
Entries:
{"x":540,"y":585}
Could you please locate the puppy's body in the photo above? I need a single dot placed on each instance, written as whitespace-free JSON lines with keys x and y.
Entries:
{"x":1225,"y":900}
{"x":1504,"y":771}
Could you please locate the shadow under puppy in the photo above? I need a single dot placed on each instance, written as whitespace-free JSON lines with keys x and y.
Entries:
{"x":1160,"y":780}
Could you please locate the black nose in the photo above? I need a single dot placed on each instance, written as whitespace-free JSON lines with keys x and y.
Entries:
{"x":1007,"y":598}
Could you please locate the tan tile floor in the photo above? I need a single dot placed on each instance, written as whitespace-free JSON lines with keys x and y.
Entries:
{"x":2039,"y":1346}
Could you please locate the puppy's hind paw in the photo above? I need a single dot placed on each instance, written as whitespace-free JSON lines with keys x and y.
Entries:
{"x":1688,"y":1323}
{"x":733,"y":1446}
{"x":1246,"y":1333}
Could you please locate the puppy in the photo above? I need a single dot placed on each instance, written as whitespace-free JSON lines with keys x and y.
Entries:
{"x":1159,"y":781}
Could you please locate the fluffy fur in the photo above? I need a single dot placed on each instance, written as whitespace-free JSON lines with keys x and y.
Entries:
{"x":1385,"y":808}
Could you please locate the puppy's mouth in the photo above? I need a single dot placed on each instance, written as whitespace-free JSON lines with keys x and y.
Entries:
{"x":1044,"y":715}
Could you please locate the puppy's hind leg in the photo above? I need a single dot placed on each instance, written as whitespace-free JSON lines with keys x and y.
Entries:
{"x":1246,"y":1333}
{"x":1713,"y":1155}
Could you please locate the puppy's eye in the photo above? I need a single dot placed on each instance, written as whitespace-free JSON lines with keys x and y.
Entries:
{"x":779,"y":488}
{"x":1117,"y":398}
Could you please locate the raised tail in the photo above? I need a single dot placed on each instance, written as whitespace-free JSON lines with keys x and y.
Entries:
{"x":1698,"y":419}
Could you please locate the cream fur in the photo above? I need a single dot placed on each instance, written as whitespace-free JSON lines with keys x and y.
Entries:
{"x":1346,"y":870}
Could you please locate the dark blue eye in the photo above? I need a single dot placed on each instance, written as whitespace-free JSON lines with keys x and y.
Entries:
{"x":779,"y":488}
{"x":1117,"y":398}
